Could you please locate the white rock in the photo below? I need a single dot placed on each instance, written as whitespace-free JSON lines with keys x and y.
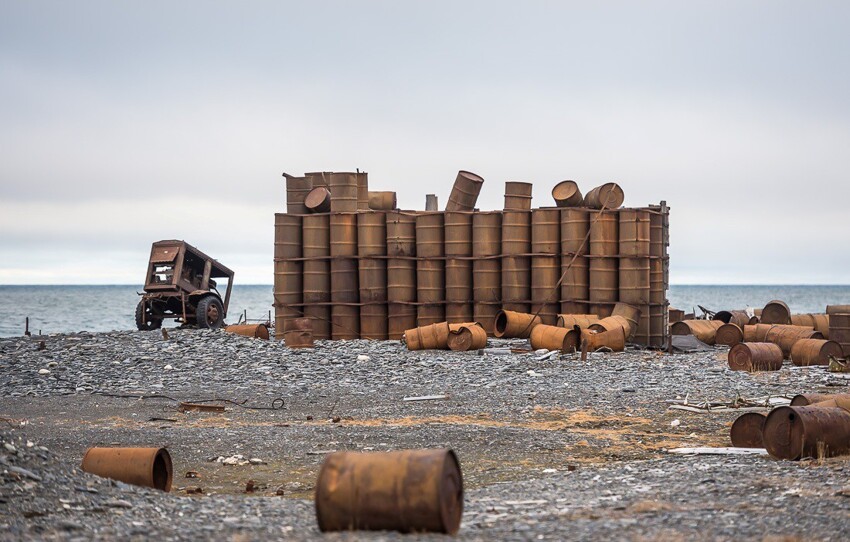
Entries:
{"x":43,"y":372}
{"x":9,"y":447}
{"x":541,"y":351}
{"x":168,"y":367}
{"x":532,"y":373}
{"x":675,"y":423}
{"x":361,"y":357}
{"x":256,"y":461}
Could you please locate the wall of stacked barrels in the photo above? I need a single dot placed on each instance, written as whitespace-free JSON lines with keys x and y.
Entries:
{"x":347,"y":258}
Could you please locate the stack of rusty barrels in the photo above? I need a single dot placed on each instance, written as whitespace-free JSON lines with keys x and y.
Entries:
{"x":356,"y":265}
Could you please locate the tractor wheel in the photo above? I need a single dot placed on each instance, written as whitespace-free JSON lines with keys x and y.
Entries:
{"x":145,"y":321}
{"x":210,"y":313}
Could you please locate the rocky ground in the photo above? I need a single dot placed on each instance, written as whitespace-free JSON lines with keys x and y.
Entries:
{"x":551,"y":448}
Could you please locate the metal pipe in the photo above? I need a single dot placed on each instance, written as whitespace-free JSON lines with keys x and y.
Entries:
{"x":146,"y":467}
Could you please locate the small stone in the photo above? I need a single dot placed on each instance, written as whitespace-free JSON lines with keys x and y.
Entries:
{"x":43,"y":372}
{"x":675,"y":423}
{"x":118,"y":503}
{"x":361,"y":357}
{"x":168,"y":367}
{"x":256,"y":461}
{"x":10,"y":448}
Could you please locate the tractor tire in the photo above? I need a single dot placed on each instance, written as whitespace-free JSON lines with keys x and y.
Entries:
{"x":210,"y":312}
{"x":144,"y":320}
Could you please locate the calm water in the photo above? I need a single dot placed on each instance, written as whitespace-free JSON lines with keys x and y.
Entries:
{"x":60,"y":309}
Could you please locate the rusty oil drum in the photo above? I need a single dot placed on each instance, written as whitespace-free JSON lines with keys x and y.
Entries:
{"x":297,"y":189}
{"x":634,"y":232}
{"x":805,"y":399}
{"x":516,"y":264}
{"x":603,"y":290}
{"x":546,"y":263}
{"x":814,"y":352}
{"x":406,"y":491}
{"x":554,"y":338}
{"x":518,"y":196}
{"x":401,"y":316}
{"x":729,"y":335}
{"x":466,"y":336}
{"x":458,"y":250}
{"x":818,"y":322}
{"x":775,"y":312}
{"x":752,"y":357}
{"x":430,"y":268}
{"x":514,"y":325}
{"x":486,"y":267}
{"x":737,"y":317}
{"x":634,"y":315}
{"x":255,"y":331}
{"x":704,"y":330}
{"x":318,"y":200}
{"x":794,"y":432}
{"x":383,"y":201}
{"x":567,"y":194}
{"x":344,"y":190}
{"x":839,"y":330}
{"x":614,"y":339}
{"x":319,"y":178}
{"x":786,"y":336}
{"x":345,"y":290}
{"x":372,"y":274}
{"x":612,"y":323}
{"x":288,"y":268}
{"x":581,"y":320}
{"x":574,"y":264}
{"x":146,"y":467}
{"x":362,"y":191}
{"x":430,"y":337}
{"x":464,"y":194}
{"x":609,"y":195}
{"x":746,"y":431}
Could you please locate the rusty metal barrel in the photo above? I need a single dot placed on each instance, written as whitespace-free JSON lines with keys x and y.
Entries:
{"x":567,"y":194}
{"x":298,"y":333}
{"x":319,"y":178}
{"x":756,"y":333}
{"x":581,"y":320}
{"x":775,"y":312}
{"x":806,"y":352}
{"x":514,"y":325}
{"x":458,"y":250}
{"x":554,"y":338}
{"x":546,"y":263}
{"x":634,"y":280}
{"x":288,"y":268}
{"x":518,"y":196}
{"x":575,"y":247}
{"x":317,"y":273}
{"x":638,"y":318}
{"x":609,"y":195}
{"x":383,"y":201}
{"x":634,"y":232}
{"x":430,"y":268}
{"x":255,"y":331}
{"x":818,"y":322}
{"x":345,"y":290}
{"x":466,"y":336}
{"x":612,"y":323}
{"x":318,"y":200}
{"x":787,"y":336}
{"x":430,"y":337}
{"x":795,"y":432}
{"x":657,"y":324}
{"x":613,"y":339}
{"x":516,"y":264}
{"x":805,"y":399}
{"x":297,"y":189}
{"x":372,"y":274}
{"x":839,"y":329}
{"x":658,"y":309}
{"x":343,"y":188}
{"x":746,"y":431}
{"x":603,"y":289}
{"x":362,"y":190}
{"x":729,"y":335}
{"x":704,"y":330}
{"x":754,"y":357}
{"x":406,"y":491}
{"x":464,"y":194}
{"x":401,"y":273}
{"x":146,"y":467}
{"x":604,"y":233}
{"x":486,"y":268}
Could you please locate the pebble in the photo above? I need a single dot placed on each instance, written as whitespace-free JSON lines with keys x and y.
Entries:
{"x":43,"y":372}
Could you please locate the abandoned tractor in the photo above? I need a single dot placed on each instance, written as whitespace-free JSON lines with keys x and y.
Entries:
{"x":180,"y":284}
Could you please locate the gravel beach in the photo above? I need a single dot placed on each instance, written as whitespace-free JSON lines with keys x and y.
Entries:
{"x":551,"y":447}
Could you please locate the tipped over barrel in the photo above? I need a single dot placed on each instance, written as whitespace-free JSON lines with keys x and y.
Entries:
{"x":729,"y":335}
{"x":515,"y":325}
{"x":754,"y":357}
{"x":747,"y":430}
{"x":775,"y":312}
{"x":567,"y":194}
{"x":704,"y":330}
{"x":794,"y":432}
{"x":257,"y":331}
{"x":609,"y":195}
{"x":466,"y":336}
{"x":146,"y":467}
{"x":554,"y":338}
{"x":815,"y":352}
{"x":465,"y":191}
{"x":430,"y":337}
{"x":406,"y":491}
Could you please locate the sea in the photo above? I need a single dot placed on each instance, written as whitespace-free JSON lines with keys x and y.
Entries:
{"x":68,"y":309}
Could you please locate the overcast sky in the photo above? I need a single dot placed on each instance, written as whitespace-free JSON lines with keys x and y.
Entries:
{"x":123,"y":123}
